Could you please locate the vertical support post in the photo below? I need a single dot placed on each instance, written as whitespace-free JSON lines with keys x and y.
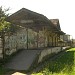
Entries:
{"x":63,"y":39}
{"x":48,"y":40}
{"x":52,"y":40}
{"x":16,"y":42}
{"x":37,"y":38}
{"x":55,"y":40}
{"x":3,"y":44}
{"x":59,"y":39}
{"x":44,"y":35}
{"x":27,"y":37}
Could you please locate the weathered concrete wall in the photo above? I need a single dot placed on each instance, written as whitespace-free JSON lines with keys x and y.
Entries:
{"x":28,"y":39}
{"x":15,"y":41}
{"x":32,"y":39}
{"x":48,"y":51}
{"x":24,"y":39}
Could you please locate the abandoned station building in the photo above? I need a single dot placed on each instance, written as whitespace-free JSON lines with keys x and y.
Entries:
{"x":33,"y":31}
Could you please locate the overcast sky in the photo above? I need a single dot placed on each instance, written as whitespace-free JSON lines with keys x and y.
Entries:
{"x":64,"y":10}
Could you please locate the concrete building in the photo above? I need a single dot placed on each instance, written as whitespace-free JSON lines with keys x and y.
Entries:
{"x":31,"y":31}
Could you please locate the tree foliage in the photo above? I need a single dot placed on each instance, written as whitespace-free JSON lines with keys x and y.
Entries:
{"x":3,"y":12}
{"x":4,"y":25}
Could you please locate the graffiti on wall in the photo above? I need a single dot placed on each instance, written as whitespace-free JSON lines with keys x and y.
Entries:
{"x":22,"y":39}
{"x":16,"y":41}
{"x":32,"y":39}
{"x":41,"y":39}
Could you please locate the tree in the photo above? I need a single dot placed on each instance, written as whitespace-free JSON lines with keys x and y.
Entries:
{"x":4,"y":25}
{"x":3,"y":12}
{"x":4,"y":28}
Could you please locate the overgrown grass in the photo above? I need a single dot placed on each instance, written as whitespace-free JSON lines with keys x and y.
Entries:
{"x":63,"y":65}
{"x":2,"y":70}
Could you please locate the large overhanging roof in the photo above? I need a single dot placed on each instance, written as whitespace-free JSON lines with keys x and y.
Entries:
{"x":28,"y":18}
{"x":60,"y":32}
{"x":56,"y":23}
{"x":56,"y":26}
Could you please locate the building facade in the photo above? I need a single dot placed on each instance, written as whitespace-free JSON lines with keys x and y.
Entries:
{"x":32,"y":31}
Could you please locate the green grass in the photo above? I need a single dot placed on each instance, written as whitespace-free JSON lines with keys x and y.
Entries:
{"x":63,"y":65}
{"x":2,"y":70}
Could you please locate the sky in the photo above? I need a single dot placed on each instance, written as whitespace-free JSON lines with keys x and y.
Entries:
{"x":64,"y":10}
